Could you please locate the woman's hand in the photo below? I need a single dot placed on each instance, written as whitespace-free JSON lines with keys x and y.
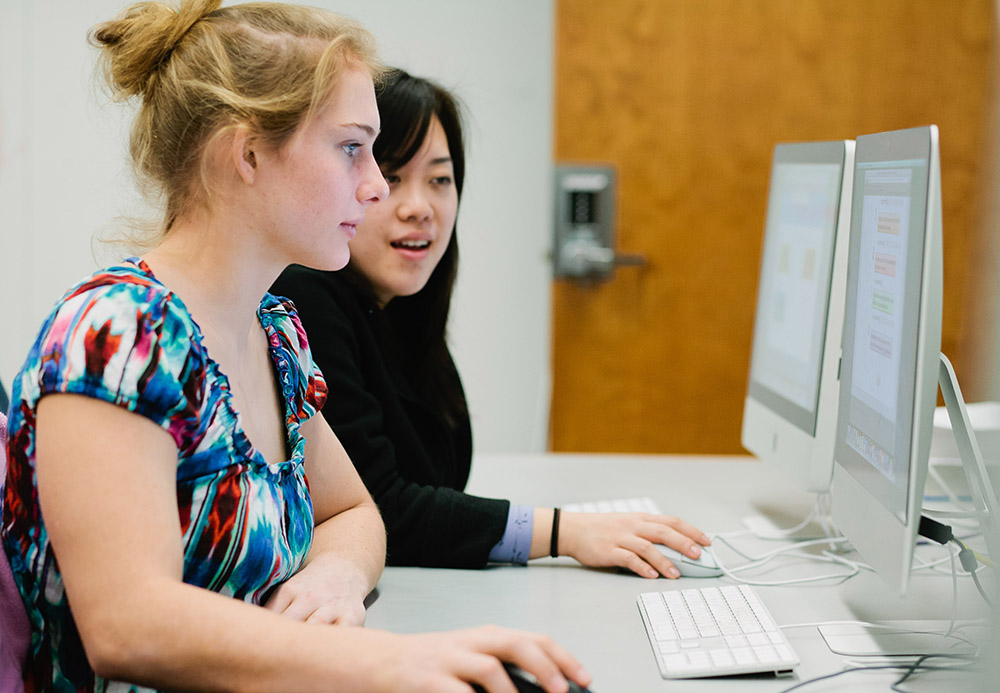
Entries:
{"x":627,"y":540}
{"x":450,"y":662}
{"x":324,"y":591}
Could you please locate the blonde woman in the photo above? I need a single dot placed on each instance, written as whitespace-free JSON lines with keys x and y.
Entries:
{"x":163,"y":426}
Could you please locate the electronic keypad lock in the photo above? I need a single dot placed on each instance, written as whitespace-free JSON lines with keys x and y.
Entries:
{"x":584,"y":226}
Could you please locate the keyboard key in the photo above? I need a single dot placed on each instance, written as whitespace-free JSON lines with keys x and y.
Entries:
{"x":758,"y":639}
{"x":785,"y":653}
{"x":736,"y":640}
{"x":699,"y":659}
{"x":722,"y":658}
{"x":677,"y":663}
{"x":664,"y":632}
{"x":766,"y":654}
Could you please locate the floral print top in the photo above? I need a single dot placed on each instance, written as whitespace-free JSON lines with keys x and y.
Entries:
{"x":123,"y":337}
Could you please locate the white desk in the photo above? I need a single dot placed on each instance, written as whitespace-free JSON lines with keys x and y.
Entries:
{"x":593,"y":612}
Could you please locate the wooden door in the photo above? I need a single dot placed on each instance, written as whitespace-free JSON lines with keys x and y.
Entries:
{"x":686,"y":98}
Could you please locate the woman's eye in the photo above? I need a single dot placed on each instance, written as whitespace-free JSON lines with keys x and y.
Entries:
{"x":441,"y":180}
{"x":390,"y":178}
{"x":351,"y":148}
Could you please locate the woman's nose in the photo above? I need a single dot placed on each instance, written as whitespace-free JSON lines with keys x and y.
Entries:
{"x":413,"y":203}
{"x":373,"y":187}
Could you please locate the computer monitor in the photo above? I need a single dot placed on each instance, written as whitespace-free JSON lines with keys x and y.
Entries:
{"x":790,"y":410}
{"x":892,"y":346}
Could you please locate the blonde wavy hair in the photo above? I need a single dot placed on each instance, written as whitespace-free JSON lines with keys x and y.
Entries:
{"x":199,"y":70}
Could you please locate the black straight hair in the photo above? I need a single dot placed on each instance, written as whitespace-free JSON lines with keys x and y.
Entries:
{"x":407,"y":105}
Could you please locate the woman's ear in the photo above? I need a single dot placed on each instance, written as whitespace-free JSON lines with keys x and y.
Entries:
{"x":243,"y":155}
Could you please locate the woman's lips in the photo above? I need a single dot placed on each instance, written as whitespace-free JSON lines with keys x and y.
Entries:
{"x":413,"y":248}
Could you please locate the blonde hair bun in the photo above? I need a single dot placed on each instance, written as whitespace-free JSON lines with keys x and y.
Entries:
{"x":141,"y":39}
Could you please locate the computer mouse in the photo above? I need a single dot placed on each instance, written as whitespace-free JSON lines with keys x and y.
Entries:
{"x":526,"y":683}
{"x":703,"y":566}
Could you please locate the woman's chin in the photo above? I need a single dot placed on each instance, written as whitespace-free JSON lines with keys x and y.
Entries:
{"x":328,"y":264}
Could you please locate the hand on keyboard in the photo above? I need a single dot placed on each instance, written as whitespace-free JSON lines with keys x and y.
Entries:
{"x":628,"y":540}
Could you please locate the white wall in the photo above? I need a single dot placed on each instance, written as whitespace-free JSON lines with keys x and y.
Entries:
{"x":64,"y":177}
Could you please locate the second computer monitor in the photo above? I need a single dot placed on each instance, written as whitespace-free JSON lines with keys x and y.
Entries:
{"x":892,"y":348}
{"x":790,"y":411}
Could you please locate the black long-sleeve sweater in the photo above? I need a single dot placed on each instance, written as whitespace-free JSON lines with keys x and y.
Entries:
{"x":413,"y":462}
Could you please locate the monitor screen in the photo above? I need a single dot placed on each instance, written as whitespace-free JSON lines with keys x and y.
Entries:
{"x":892,"y":342}
{"x":798,"y":320}
{"x":885,"y":305}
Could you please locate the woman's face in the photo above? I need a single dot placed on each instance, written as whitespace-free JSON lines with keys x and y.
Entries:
{"x":318,"y":185}
{"x":404,"y":236}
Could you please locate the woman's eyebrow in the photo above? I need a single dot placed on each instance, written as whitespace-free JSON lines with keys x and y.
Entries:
{"x":441,"y":160}
{"x":367,"y":129}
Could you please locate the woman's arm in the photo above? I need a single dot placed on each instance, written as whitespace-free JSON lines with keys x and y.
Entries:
{"x":107,"y":489}
{"x":626,"y":540}
{"x":106,"y":483}
{"x":348,"y":551}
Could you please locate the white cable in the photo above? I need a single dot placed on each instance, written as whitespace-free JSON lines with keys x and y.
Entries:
{"x":855,"y":564}
{"x":824,"y":504}
{"x":793,"y":550}
{"x":791,"y":581}
{"x":935,"y":566}
{"x":768,"y":555}
{"x":782,"y":533}
{"x":953,"y":552}
{"x":763,"y":559}
{"x":820,"y":512}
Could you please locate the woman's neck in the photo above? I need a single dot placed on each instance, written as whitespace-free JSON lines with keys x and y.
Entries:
{"x":220,"y":274}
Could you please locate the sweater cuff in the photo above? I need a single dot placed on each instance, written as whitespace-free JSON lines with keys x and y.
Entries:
{"x":515,"y":544}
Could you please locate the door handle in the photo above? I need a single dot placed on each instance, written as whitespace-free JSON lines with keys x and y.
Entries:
{"x":584,"y":232}
{"x":581,"y":258}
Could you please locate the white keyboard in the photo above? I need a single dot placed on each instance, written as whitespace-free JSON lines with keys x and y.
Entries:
{"x":714,"y":631}
{"x":619,"y":505}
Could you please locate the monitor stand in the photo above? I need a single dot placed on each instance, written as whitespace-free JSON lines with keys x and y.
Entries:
{"x":983,"y":494}
{"x":897,"y":639}
{"x":927,"y":637}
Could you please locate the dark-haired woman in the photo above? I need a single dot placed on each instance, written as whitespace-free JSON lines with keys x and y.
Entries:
{"x":377,"y":330}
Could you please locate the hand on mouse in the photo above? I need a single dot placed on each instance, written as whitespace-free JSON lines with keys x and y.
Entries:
{"x":627,"y":540}
{"x":450,"y":661}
